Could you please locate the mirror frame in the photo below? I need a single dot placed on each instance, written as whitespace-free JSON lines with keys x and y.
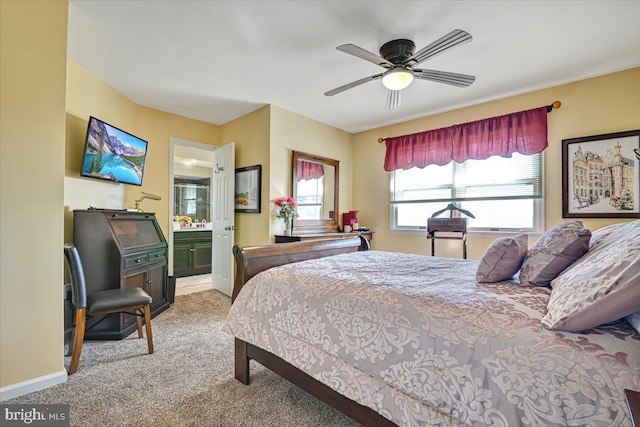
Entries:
{"x":307,"y":226}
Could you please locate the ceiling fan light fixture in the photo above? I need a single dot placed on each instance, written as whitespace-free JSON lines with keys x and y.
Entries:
{"x":397,"y":78}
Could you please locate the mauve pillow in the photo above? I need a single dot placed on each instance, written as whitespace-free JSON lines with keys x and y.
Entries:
{"x":502,"y":259}
{"x":556,"y":250}
{"x":602,"y":287}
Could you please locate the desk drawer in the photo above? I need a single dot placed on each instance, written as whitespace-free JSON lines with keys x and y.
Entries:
{"x":158,"y":256}
{"x":134,"y":261}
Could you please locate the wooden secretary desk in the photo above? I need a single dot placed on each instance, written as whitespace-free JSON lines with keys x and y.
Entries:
{"x":121,"y":249}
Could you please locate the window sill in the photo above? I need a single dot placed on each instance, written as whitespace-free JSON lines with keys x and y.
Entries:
{"x":471,"y":233}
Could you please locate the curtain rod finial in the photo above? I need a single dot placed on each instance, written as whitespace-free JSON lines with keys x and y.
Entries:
{"x":380,"y":140}
{"x":554,"y":106}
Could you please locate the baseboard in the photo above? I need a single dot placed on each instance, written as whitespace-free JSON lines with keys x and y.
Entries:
{"x":35,"y":384}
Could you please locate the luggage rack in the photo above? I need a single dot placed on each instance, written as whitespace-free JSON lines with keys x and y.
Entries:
{"x":450,"y":226}
{"x":454,"y":228}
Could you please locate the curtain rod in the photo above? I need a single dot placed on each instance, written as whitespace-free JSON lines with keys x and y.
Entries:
{"x":554,"y":106}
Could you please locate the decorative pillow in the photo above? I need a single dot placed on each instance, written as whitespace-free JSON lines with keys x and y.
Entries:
{"x":557,"y":249}
{"x":603,"y":233}
{"x":603,"y":286}
{"x":502,"y":259}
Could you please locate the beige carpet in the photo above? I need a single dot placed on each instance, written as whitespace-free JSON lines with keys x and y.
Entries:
{"x":188,"y":381}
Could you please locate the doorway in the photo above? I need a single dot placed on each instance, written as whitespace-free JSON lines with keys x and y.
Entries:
{"x":190,"y":210}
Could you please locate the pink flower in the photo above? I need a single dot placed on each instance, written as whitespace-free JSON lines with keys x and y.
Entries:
{"x":286,"y":207}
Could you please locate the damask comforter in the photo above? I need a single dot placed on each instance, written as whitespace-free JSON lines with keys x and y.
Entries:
{"x":419,"y":341}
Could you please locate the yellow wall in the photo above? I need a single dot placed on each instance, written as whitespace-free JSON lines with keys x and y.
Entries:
{"x":291,"y":131}
{"x":32,"y":128}
{"x":267,"y":137}
{"x":250,"y":134}
{"x":87,"y":96}
{"x":595,"y":106}
{"x":158,"y":127}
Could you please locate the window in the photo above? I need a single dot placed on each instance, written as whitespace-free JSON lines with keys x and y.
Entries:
{"x":310,"y":195}
{"x":504,"y":194}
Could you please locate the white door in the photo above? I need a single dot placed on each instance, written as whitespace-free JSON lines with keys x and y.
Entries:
{"x":223,"y":196}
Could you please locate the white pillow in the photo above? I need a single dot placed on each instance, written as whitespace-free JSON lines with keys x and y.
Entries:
{"x":601,"y":287}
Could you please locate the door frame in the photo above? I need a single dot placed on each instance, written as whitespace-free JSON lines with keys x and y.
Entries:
{"x":184,"y":143}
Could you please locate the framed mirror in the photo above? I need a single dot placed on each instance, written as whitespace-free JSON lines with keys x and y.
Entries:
{"x":315,"y":186}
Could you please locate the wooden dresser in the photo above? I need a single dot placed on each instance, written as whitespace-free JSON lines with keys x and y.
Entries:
{"x":121,"y":249}
{"x":280,"y":238}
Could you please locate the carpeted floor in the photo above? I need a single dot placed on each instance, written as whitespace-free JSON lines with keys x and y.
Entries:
{"x":188,"y":381}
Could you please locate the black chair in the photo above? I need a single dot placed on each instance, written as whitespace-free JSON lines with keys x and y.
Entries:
{"x":129,"y":300}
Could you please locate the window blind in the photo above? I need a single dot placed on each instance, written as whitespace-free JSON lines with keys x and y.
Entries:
{"x":495,"y":178}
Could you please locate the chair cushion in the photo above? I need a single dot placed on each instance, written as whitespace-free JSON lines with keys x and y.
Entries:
{"x":115,"y":299}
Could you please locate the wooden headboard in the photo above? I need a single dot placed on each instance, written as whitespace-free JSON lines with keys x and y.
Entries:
{"x":251,"y":260}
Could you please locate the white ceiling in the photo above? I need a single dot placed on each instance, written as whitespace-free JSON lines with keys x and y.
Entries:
{"x":217,"y":60}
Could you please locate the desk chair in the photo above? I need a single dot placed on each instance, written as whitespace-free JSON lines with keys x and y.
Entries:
{"x":129,"y":300}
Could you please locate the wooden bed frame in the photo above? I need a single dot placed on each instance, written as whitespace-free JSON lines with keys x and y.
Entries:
{"x":254,"y":259}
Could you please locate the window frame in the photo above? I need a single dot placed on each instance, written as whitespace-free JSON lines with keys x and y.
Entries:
{"x":538,"y":215}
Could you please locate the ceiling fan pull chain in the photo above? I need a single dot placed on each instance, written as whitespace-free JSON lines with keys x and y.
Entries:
{"x":393,"y":99}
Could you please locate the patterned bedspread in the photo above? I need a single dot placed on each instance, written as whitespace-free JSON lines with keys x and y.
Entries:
{"x":419,"y":341}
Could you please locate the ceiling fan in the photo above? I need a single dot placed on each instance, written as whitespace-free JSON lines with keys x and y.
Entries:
{"x":398,"y":57}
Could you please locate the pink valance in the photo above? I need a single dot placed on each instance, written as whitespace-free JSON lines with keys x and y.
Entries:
{"x":524,"y":132}
{"x":309,"y":170}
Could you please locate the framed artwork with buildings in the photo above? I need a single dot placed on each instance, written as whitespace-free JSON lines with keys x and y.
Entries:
{"x":601,"y":176}
{"x":248,"y":189}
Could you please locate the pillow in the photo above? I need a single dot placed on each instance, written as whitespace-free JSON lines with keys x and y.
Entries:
{"x":502,"y":259}
{"x":603,"y":286}
{"x":557,"y":249}
{"x":603,"y":233}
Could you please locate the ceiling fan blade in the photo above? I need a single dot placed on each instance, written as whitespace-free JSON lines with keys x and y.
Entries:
{"x":455,"y":79}
{"x":352,"y":84}
{"x":449,"y":41}
{"x":354,"y":50}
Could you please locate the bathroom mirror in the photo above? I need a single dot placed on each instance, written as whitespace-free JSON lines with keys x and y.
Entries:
{"x":191,"y":197}
{"x":315,"y":186}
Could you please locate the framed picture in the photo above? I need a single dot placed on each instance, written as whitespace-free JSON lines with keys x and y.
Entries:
{"x":248,"y":189}
{"x":601,"y":176}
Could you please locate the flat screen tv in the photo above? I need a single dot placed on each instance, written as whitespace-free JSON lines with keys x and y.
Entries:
{"x":113,"y":154}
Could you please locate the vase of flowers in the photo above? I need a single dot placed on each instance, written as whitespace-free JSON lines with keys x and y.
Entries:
{"x":183,"y":220}
{"x":286,"y":209}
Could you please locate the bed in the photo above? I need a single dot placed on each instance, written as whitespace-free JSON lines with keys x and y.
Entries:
{"x":401,"y":339}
